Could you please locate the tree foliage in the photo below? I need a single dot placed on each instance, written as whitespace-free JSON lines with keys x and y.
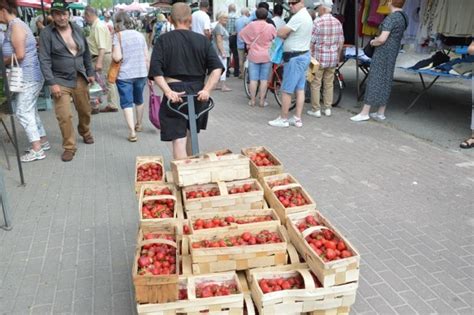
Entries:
{"x":101,"y":4}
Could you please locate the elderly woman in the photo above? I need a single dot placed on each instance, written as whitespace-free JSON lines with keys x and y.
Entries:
{"x":258,"y":37}
{"x":20,"y":42}
{"x":130,"y":47}
{"x":220,"y":39}
{"x":382,"y":66}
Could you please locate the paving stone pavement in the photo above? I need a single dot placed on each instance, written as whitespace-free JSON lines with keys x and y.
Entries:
{"x":405,"y":203}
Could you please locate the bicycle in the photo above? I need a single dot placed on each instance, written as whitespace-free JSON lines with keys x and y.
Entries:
{"x":275,"y":80}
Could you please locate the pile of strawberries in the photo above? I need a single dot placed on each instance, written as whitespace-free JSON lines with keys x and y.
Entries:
{"x":202,"y":193}
{"x":157,"y":259}
{"x":158,"y":209}
{"x":183,"y":294}
{"x":324,"y":243}
{"x":246,"y":238}
{"x":200,"y":224}
{"x":261,"y":159}
{"x":151,"y":171}
{"x":205,"y":290}
{"x":280,"y":182}
{"x":279,"y":284}
{"x":157,"y":192}
{"x":242,"y":189}
{"x":290,"y":198}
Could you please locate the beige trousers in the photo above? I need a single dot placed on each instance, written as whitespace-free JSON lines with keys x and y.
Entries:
{"x":326,"y":77}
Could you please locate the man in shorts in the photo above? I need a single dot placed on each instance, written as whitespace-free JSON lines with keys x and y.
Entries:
{"x":179,"y":64}
{"x":296,"y":57}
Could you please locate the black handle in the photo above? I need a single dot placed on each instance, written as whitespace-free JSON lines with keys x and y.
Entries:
{"x":177,"y":110}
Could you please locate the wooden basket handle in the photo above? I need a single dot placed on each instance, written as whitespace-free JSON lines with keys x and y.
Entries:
{"x":222,"y":189}
{"x":211,"y":156}
{"x":293,"y":254}
{"x":158,"y":197}
{"x":312,"y":229}
{"x":289,"y":186}
{"x":307,"y":279}
{"x":158,"y":241}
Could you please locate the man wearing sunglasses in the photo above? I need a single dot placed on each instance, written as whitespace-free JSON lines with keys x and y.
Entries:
{"x":296,"y":57}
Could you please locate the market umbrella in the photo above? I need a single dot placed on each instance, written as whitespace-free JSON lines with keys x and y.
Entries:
{"x":134,"y":6}
{"x":77,"y":6}
{"x":36,"y":4}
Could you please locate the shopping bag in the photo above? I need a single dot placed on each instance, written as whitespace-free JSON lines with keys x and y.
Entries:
{"x":154,"y":108}
{"x":15,"y":76}
{"x":276,"y":51}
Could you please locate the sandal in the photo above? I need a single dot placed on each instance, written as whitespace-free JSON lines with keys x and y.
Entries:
{"x":264,"y":104}
{"x":138,"y":128}
{"x":251,"y":104}
{"x":467,"y":144}
{"x":132,"y":138}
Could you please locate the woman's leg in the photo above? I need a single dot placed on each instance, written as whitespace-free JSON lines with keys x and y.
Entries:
{"x":128,"y":114}
{"x":140,"y":109}
{"x":381,"y":110}
{"x":26,"y":112}
{"x":224,"y":87}
{"x":265,"y":69}
{"x":263,"y":91}
{"x":138,"y":86}
{"x":253,"y":91}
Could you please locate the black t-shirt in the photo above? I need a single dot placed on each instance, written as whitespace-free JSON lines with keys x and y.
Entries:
{"x":183,"y":55}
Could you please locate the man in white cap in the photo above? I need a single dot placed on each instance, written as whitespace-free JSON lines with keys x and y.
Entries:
{"x":327,"y":40}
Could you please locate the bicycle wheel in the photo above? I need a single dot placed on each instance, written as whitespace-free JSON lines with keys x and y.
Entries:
{"x":277,"y":79}
{"x":338,"y":87}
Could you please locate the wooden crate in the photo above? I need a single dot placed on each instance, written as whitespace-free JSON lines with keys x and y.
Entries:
{"x":276,"y":204}
{"x":342,"y":310}
{"x":208,"y":260}
{"x":154,"y":289}
{"x":140,"y":160}
{"x":178,"y":212}
{"x":261,"y":171}
{"x":222,"y":305}
{"x":329,"y":273}
{"x":309,"y":299}
{"x":193,"y":216}
{"x":225,"y":201}
{"x":210,"y":168}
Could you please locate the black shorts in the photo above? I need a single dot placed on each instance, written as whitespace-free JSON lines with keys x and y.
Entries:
{"x":175,"y":126}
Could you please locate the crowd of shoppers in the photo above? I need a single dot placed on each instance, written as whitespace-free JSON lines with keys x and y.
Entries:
{"x":186,"y":49}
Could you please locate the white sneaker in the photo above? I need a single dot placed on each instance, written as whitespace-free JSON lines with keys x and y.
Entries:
{"x":33,"y":155}
{"x":360,"y":117}
{"x":377,"y":116}
{"x":327,"y":112}
{"x":279,"y":122}
{"x":315,"y":113}
{"x":45,"y":146}
{"x":295,"y":121}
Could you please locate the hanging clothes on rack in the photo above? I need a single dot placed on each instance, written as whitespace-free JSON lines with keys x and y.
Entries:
{"x":455,"y":18}
{"x":349,"y":22}
{"x":412,"y":10}
{"x":368,"y":29}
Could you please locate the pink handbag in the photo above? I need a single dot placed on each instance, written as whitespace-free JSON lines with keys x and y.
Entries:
{"x":154,"y":108}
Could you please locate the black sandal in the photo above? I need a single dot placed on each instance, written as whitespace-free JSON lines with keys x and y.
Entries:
{"x":466,"y":144}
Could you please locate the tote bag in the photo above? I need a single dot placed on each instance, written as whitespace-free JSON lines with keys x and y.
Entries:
{"x":154,"y":108}
{"x":114,"y":69}
{"x":15,"y":76}
{"x":276,"y":51}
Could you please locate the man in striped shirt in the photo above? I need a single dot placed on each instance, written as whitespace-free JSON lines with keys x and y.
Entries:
{"x":327,"y":40}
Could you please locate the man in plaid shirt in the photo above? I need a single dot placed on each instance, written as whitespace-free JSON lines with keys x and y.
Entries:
{"x":326,"y":45}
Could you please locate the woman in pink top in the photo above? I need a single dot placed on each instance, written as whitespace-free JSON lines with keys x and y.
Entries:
{"x":258,"y":36}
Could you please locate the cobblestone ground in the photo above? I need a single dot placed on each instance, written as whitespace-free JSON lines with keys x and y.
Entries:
{"x":405,"y":203}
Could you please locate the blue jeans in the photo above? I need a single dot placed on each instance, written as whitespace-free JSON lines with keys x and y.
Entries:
{"x":131,"y":92}
{"x":259,"y":71}
{"x":294,"y":73}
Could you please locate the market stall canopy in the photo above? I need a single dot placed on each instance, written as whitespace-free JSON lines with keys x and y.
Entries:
{"x":77,"y":6}
{"x":135,"y":6}
{"x":163,"y":4}
{"x":36,"y":4}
